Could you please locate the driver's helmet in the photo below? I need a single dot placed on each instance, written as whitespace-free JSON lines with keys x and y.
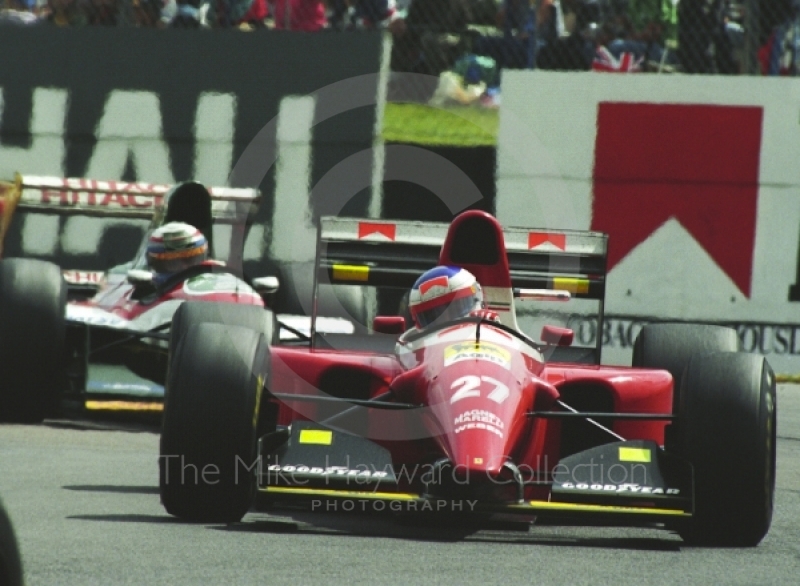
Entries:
{"x":175,"y":247}
{"x":444,"y":293}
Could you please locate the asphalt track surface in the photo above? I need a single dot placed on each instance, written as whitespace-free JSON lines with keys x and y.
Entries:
{"x":84,"y":501}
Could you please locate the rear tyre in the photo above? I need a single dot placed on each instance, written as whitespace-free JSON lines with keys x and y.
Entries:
{"x":726,"y":429}
{"x":33,"y":297}
{"x":208,"y":435}
{"x":670,"y":347}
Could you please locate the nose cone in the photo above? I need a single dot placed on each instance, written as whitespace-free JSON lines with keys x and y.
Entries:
{"x":477,"y":440}
{"x":477,"y":463}
{"x":479,"y":416}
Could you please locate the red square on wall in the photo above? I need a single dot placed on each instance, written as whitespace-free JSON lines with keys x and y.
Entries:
{"x":694,"y":162}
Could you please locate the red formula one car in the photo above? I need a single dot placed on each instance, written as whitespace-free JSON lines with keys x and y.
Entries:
{"x":472,"y":416}
{"x":98,"y":337}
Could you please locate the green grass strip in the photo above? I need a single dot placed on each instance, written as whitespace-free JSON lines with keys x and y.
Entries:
{"x":460,"y":126}
{"x":788,"y":378}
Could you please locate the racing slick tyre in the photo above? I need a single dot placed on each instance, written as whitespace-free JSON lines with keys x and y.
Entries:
{"x":208,"y":434}
{"x":670,"y":347}
{"x":10,"y":562}
{"x":253,"y":317}
{"x":726,"y":429}
{"x":33,"y":297}
{"x":196,"y":312}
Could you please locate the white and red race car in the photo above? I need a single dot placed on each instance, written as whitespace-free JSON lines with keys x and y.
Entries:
{"x":97,"y":337}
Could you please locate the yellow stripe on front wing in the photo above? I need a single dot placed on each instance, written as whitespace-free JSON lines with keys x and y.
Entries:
{"x":527,"y":507}
{"x":581,"y":508}
{"x":346,"y":494}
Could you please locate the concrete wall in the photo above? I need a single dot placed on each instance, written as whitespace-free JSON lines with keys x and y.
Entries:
{"x":269,"y":109}
{"x":694,"y":178}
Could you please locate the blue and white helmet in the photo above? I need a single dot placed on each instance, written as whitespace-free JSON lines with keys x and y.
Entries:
{"x":444,"y":293}
{"x":174,"y":247}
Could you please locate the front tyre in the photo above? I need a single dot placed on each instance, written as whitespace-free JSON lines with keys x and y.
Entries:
{"x":726,"y":429}
{"x":189,"y":313}
{"x":254,"y":317}
{"x":208,"y":437}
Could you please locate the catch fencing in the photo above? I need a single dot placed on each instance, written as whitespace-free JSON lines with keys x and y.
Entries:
{"x":430,"y":36}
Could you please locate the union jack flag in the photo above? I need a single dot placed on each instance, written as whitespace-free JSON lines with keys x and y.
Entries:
{"x":605,"y":61}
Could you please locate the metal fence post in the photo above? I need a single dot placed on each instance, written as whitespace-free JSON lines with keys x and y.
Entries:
{"x":752,"y":32}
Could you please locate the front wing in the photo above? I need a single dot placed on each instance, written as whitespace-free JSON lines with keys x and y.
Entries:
{"x":332,"y":500}
{"x":332,"y":471}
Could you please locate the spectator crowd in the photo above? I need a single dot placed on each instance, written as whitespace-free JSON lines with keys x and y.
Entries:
{"x":433,"y":36}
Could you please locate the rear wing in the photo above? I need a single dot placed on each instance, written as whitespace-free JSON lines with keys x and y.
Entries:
{"x":55,"y":195}
{"x":395,"y":254}
{"x":383,"y":253}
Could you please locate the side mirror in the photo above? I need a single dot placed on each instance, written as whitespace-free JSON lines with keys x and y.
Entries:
{"x":555,"y":336}
{"x":140,"y":277}
{"x":266,"y":285}
{"x":389,"y":324}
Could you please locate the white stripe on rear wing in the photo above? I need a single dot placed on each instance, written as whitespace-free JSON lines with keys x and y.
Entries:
{"x":557,"y":241}
{"x":351,"y":229}
{"x":434,"y":234}
{"x":55,"y":195}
